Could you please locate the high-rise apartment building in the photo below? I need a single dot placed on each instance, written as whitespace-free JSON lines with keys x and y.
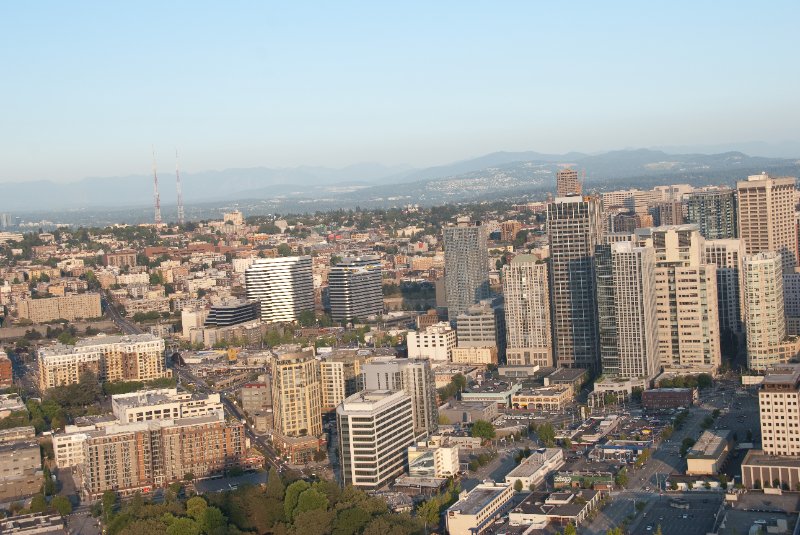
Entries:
{"x":355,"y":288}
{"x":714,"y":211}
{"x":686,"y":300}
{"x":375,"y":430}
{"x":727,"y":256}
{"x":626,"y":301}
{"x":137,"y":357}
{"x":767,"y":217}
{"x":526,"y":288}
{"x":232,"y":312}
{"x":340,"y":372}
{"x":466,"y":258}
{"x":69,"y":307}
{"x":284,"y":286}
{"x":297,"y":395}
{"x":764,"y":316}
{"x":482,"y":325}
{"x":667,"y":213}
{"x":415,"y":378}
{"x":574,"y":229}
{"x":631,"y":200}
{"x":567,"y":182}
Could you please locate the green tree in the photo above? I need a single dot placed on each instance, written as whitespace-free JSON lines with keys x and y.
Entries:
{"x":109,"y":500}
{"x":569,"y":529}
{"x":351,"y":521}
{"x":518,"y":485}
{"x":547,"y":434}
{"x":309,"y":500}
{"x":38,"y":503}
{"x":621,"y":479}
{"x":62,"y":505}
{"x":275,"y":488}
{"x":183,"y":526}
{"x":284,"y":250}
{"x":293,"y":493}
{"x":483,"y":429}
{"x":314,"y":522}
{"x":195,"y":507}
{"x":212,"y":521}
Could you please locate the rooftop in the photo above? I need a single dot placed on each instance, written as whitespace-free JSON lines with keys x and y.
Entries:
{"x":710,"y":444}
{"x":477,"y":499}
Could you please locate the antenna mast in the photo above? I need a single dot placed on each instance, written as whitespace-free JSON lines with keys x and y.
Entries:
{"x":181,"y":219}
{"x":156,"y":197}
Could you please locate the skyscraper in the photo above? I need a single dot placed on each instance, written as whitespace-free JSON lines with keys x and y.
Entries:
{"x":626,"y":302}
{"x":574,"y":230}
{"x":764,"y":316}
{"x":415,"y":378}
{"x":297,"y":402}
{"x":686,"y":299}
{"x":766,"y":217}
{"x":567,"y":183}
{"x":375,"y":430}
{"x":466,"y":258}
{"x":727,"y":256}
{"x":714,"y":211}
{"x":284,"y":286}
{"x":355,"y":288}
{"x":526,"y":289}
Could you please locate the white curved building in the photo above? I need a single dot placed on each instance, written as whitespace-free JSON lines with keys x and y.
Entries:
{"x":284,"y":286}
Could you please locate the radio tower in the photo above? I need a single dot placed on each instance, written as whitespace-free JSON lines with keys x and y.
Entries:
{"x":156,"y":197}
{"x":180,"y":192}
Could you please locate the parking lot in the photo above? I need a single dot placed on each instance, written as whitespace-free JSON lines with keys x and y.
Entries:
{"x":698,"y":519}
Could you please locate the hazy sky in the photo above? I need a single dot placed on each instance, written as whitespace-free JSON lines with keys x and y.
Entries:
{"x":87,"y":87}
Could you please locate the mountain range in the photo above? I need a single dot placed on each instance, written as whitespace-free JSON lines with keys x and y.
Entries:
{"x":493,"y":176}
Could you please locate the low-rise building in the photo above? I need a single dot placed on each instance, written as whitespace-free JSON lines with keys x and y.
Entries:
{"x":432,"y":462}
{"x":558,"y":508}
{"x":475,"y":510}
{"x":708,"y":454}
{"x":548,"y":398}
{"x":256,"y":397}
{"x":480,"y":356}
{"x":20,"y":469}
{"x":435,"y":343}
{"x":536,"y":467}
{"x":668,"y":398}
{"x":466,"y":412}
{"x":6,"y":371}
{"x":499,"y":392}
{"x":70,"y":307}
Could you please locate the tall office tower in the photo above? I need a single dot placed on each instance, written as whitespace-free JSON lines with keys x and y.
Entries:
{"x":482,"y":325}
{"x":375,"y":430}
{"x":567,"y":183}
{"x":667,"y":213}
{"x":284,"y":286}
{"x":355,"y":288}
{"x":526,"y":288}
{"x":5,"y":220}
{"x":573,"y":225}
{"x":714,"y":211}
{"x":296,"y":396}
{"x":626,"y":303}
{"x":686,"y":300}
{"x":466,"y":271}
{"x":415,"y":378}
{"x":791,"y":302}
{"x":778,"y":400}
{"x":764,"y":316}
{"x":727,"y":256}
{"x":766,"y":217}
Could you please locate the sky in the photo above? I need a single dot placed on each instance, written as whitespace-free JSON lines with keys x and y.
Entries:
{"x":88,"y":88}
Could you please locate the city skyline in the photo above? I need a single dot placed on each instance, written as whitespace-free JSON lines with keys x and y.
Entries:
{"x":417,"y":85}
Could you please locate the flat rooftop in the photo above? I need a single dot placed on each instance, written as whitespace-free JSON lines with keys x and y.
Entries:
{"x":759,"y":458}
{"x":478,"y":498}
{"x":710,"y":445}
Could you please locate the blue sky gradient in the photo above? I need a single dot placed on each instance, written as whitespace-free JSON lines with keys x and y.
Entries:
{"x":87,"y":87}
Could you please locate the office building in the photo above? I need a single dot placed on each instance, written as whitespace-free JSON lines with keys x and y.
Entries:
{"x":567,"y":182}
{"x":435,"y":343}
{"x":284,"y":287}
{"x":767,"y":217}
{"x":20,"y":469}
{"x":727,"y":255}
{"x":526,"y":289}
{"x":297,"y":404}
{"x":764,"y":316}
{"x":631,"y":200}
{"x":136,"y":357}
{"x":141,"y":456}
{"x":415,"y":378}
{"x":574,"y":230}
{"x":482,"y":325}
{"x":256,"y":397}
{"x":355,"y":288}
{"x":69,"y":307}
{"x":466,"y":258}
{"x":713,"y":210}
{"x":686,"y":300}
{"x":232,"y":312}
{"x":474,"y":511}
{"x":437,"y":462}
{"x":536,"y":467}
{"x":340,"y":372}
{"x":375,"y":429}
{"x":626,"y":302}
{"x":667,"y":213}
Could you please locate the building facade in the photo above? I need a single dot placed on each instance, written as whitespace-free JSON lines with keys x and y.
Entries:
{"x":69,"y":307}
{"x":297,"y":402}
{"x":466,"y":258}
{"x":727,"y":256}
{"x":526,"y":289}
{"x":713,"y":210}
{"x":355,"y":288}
{"x":284,"y":287}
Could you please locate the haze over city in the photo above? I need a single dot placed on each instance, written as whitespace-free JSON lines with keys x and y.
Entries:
{"x":89,"y":87}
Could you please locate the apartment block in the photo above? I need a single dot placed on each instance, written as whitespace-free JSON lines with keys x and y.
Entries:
{"x":138,"y":357}
{"x":70,"y":307}
{"x":727,"y":255}
{"x":375,"y":429}
{"x":435,"y":343}
{"x":355,"y":288}
{"x":20,"y":469}
{"x":526,"y":289}
{"x":163,"y":404}
{"x":567,"y":182}
{"x":340,"y":372}
{"x":713,"y":210}
{"x":466,"y":258}
{"x":284,"y":287}
{"x":6,"y":371}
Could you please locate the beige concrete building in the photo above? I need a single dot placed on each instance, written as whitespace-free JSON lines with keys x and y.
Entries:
{"x":709,"y":453}
{"x":163,"y":404}
{"x":632,"y":200}
{"x":470,"y":515}
{"x":20,"y":469}
{"x":526,"y":289}
{"x":546,"y":398}
{"x":764,"y":317}
{"x":567,"y":182}
{"x":137,"y":357}
{"x":727,"y":255}
{"x":767,"y":217}
{"x":340,"y":372}
{"x":70,"y":307}
{"x":479,"y":356}
{"x":297,"y":396}
{"x":435,"y":343}
{"x":686,"y":300}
